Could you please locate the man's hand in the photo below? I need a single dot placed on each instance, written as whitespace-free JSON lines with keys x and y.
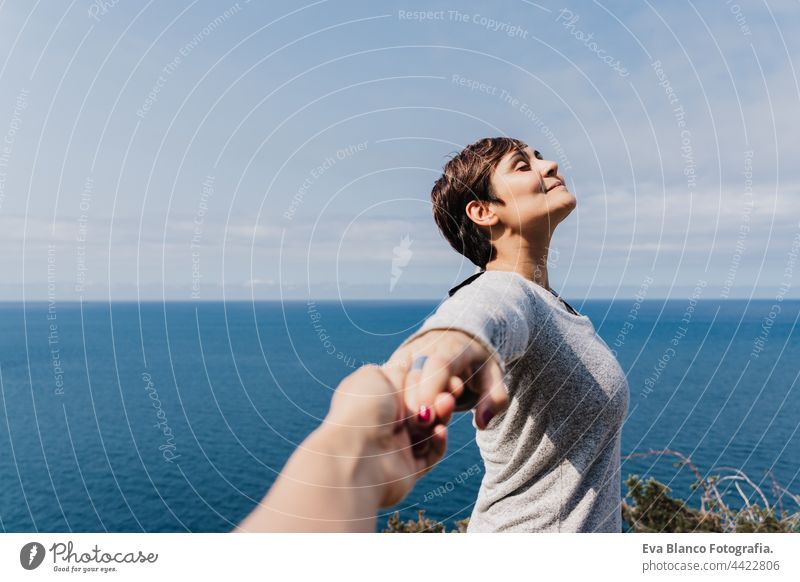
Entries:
{"x":457,"y":369}
{"x":357,"y":461}
{"x":368,"y":418}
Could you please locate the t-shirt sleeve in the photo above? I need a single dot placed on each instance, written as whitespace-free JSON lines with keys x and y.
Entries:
{"x":495,"y":309}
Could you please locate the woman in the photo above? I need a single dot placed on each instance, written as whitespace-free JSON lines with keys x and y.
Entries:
{"x":552,"y":456}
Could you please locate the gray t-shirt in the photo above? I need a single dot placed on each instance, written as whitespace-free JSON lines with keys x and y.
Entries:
{"x":553,"y":457}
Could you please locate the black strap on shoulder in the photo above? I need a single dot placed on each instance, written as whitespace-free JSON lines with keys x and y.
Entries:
{"x":571,"y":309}
{"x":567,"y":305}
{"x":464,"y":283}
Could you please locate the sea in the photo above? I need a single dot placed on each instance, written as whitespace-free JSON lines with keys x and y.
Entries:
{"x":178,"y":416}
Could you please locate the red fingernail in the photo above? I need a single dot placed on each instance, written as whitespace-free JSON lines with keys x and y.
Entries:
{"x":424,"y":414}
{"x":488,"y":415}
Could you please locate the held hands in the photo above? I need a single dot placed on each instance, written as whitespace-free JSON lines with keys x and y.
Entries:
{"x":386,"y":427}
{"x":356,"y":462}
{"x":368,"y":419}
{"x":399,"y":411}
{"x":446,"y":370}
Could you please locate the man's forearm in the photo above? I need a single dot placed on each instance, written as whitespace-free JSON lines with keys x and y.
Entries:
{"x":327,"y":485}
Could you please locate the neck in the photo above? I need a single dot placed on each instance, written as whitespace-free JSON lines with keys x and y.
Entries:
{"x":525,"y":258}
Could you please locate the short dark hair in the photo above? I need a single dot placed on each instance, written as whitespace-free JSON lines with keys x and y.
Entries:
{"x":467,"y":176}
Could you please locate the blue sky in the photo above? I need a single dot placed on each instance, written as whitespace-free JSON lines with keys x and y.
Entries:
{"x":208,"y":150}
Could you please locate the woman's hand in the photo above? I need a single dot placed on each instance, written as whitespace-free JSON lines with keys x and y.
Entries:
{"x":457,"y":369}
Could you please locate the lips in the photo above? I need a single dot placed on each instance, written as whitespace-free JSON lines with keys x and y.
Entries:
{"x":556,"y":185}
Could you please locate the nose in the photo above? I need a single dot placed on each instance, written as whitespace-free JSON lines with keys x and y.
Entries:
{"x":552,"y":169}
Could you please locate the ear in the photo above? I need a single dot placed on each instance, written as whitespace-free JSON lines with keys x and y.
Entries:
{"x":481,"y":213}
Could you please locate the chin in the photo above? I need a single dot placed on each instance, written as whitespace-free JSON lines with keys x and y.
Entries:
{"x":565,"y":205}
{"x":573,"y":202}
{"x":563,"y":209}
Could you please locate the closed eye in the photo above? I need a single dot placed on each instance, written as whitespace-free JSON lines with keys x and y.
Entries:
{"x":523,"y":166}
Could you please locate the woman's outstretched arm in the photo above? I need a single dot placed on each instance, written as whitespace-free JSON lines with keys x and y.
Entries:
{"x":473,"y":335}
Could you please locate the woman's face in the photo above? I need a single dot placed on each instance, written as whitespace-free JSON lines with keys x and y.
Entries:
{"x":535,"y":194}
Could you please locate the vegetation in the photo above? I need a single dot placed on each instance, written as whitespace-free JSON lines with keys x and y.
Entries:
{"x":648,"y":507}
{"x":651,"y":509}
{"x":422,"y":525}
